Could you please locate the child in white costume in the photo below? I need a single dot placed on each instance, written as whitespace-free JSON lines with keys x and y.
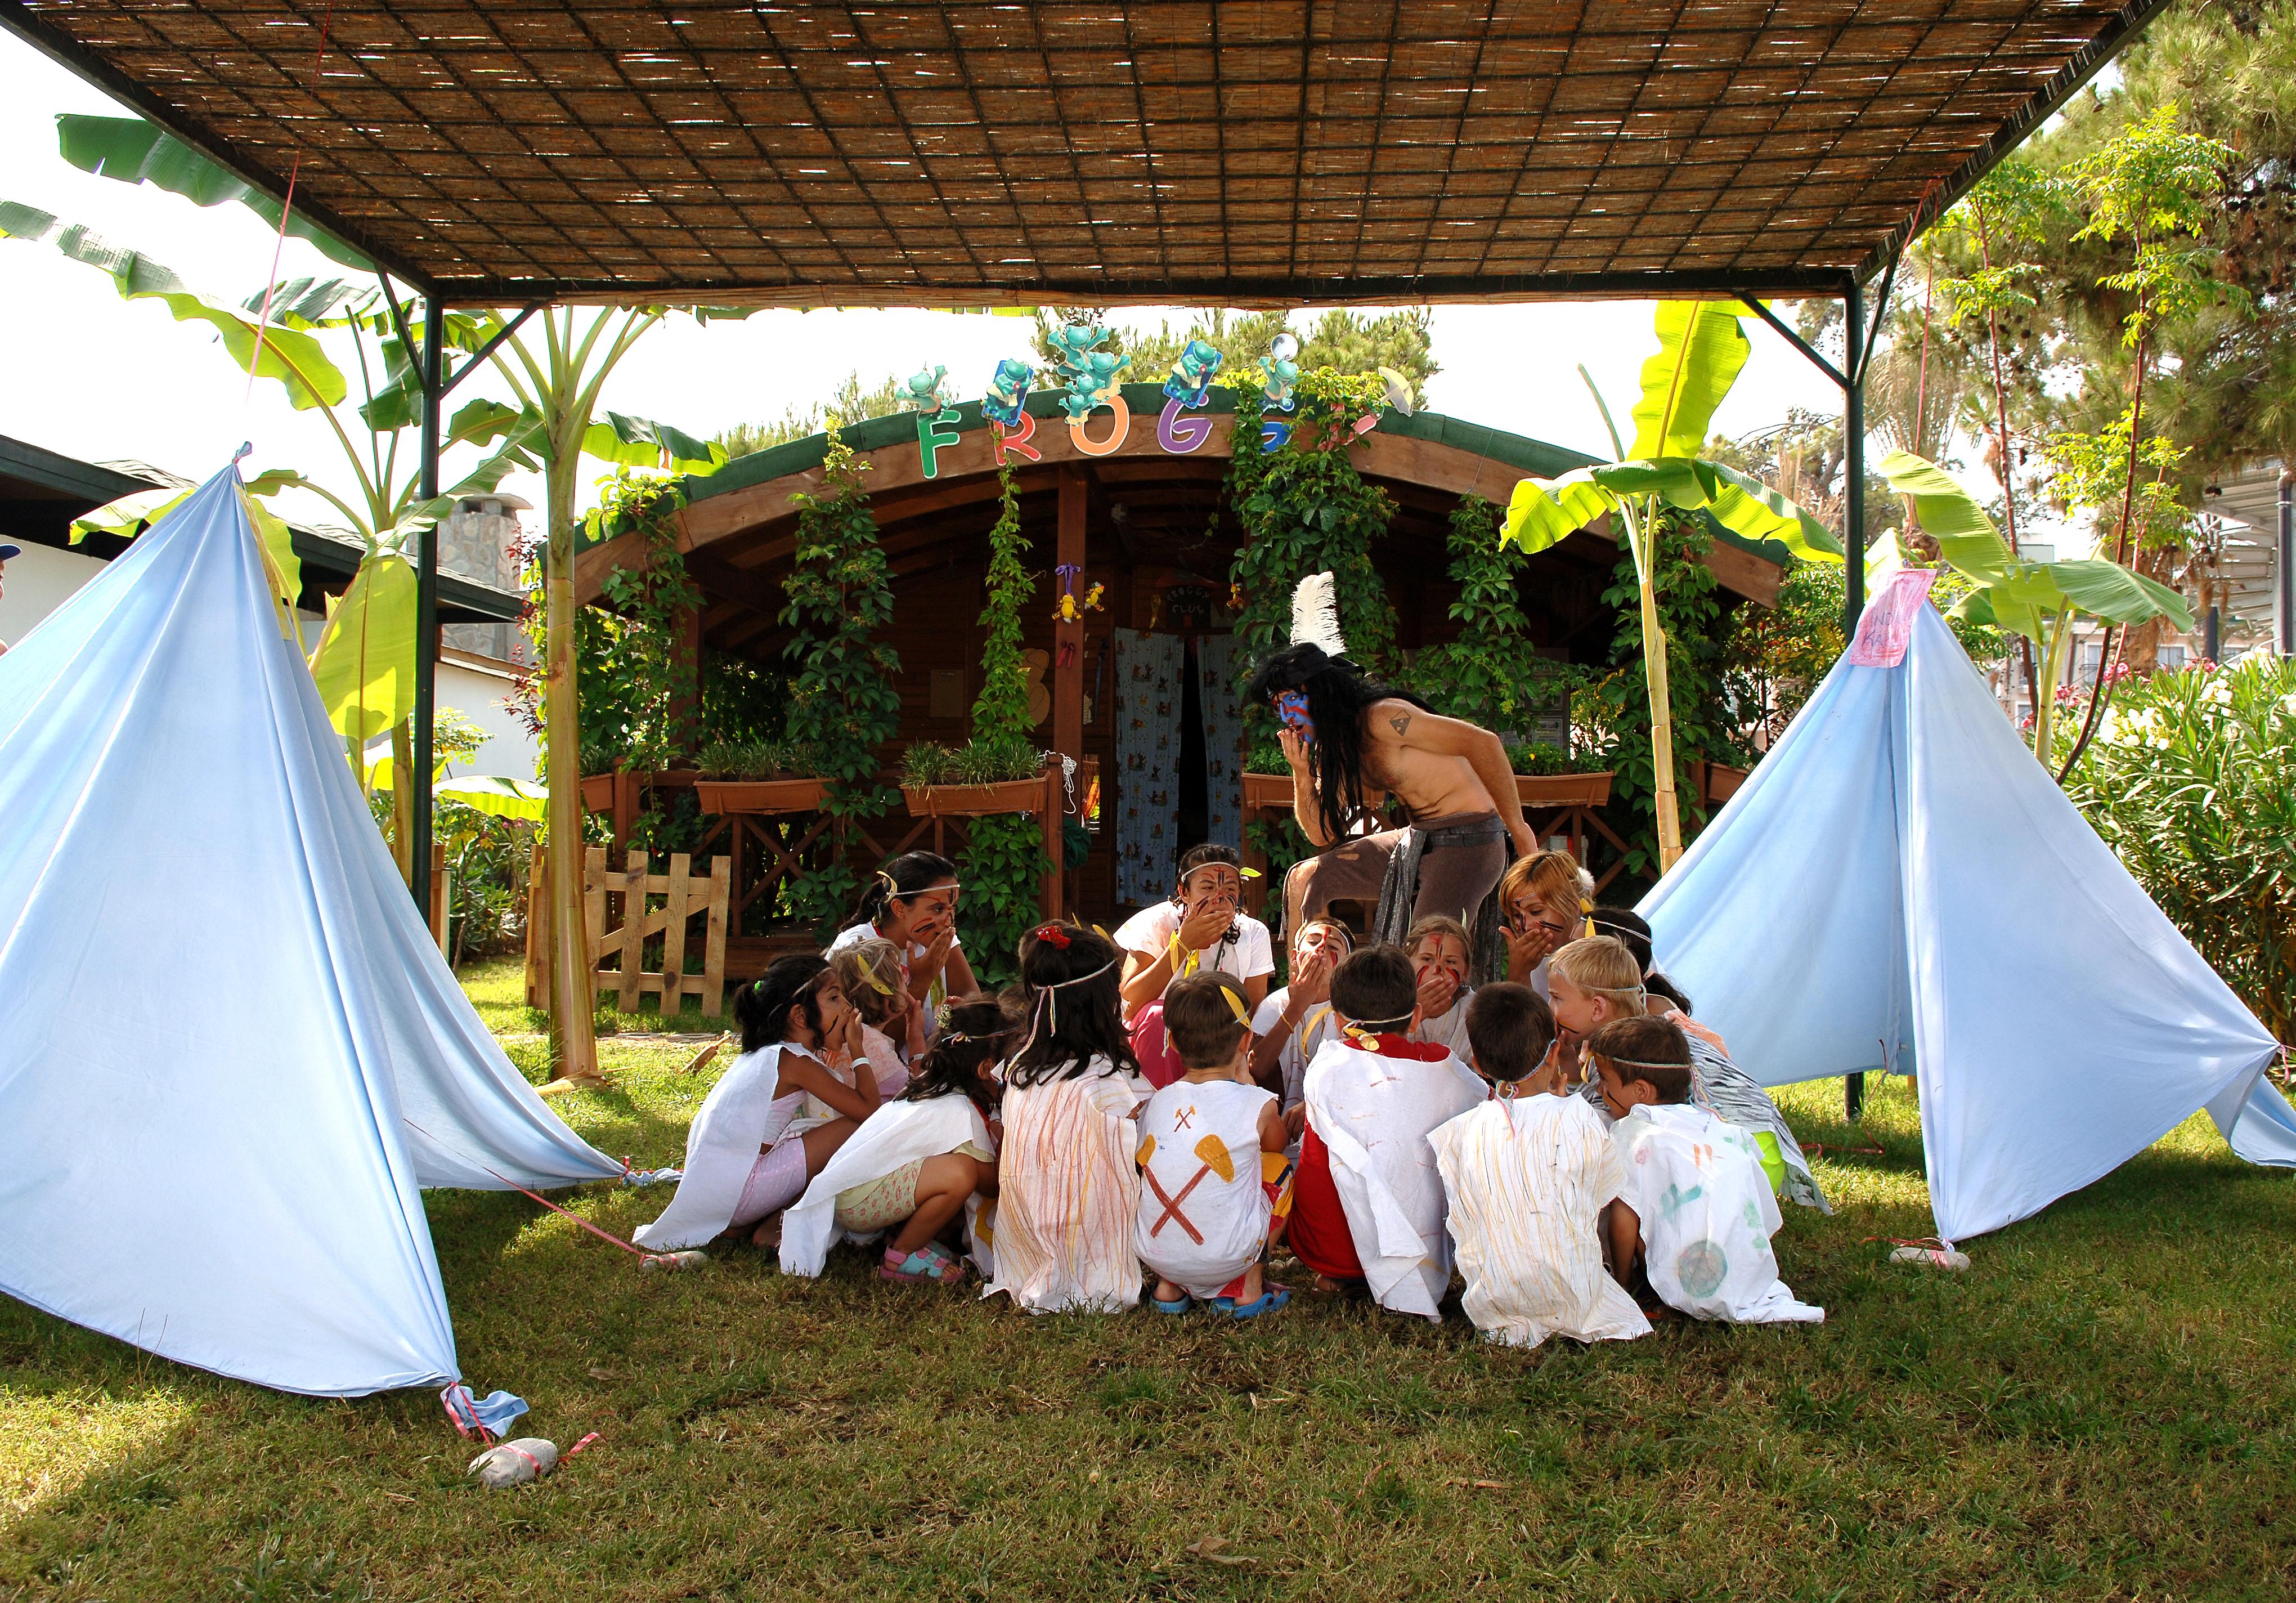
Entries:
{"x":1203,"y":1222}
{"x":1528,"y":1175}
{"x":1067,"y":1189}
{"x":893,"y":1026}
{"x":1696,"y":1208}
{"x":1371,"y":1098}
{"x":752,"y":1147}
{"x":920,"y":1165}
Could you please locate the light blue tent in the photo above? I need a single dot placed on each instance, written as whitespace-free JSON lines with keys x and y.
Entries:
{"x":1900,"y":885}
{"x":230,"y":1052}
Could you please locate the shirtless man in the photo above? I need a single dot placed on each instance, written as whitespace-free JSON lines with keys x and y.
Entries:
{"x":1346,"y":737}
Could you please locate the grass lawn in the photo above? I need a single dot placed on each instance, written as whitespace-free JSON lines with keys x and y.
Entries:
{"x":2100,"y":1408}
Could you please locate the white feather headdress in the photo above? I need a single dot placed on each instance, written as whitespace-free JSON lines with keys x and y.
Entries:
{"x":1315,"y":615}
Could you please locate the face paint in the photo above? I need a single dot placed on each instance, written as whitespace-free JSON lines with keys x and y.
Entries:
{"x":1291,"y":707}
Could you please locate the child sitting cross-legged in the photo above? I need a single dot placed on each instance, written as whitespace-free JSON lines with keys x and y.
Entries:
{"x":918,"y":1163}
{"x":1202,"y":1223}
{"x":1528,"y":1175}
{"x":1696,"y":1210}
{"x":1067,"y":1187}
{"x":1366,"y":1202}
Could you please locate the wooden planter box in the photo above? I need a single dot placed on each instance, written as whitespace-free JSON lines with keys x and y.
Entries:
{"x":975,"y":801}
{"x":1722,"y":781}
{"x":1562,"y":790}
{"x":598,"y":793}
{"x":723,"y":796}
{"x":1266,"y":790}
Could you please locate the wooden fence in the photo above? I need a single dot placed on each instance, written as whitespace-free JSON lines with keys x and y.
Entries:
{"x":626,"y":911}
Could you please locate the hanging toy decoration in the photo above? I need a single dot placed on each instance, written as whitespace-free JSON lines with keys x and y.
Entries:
{"x":1066,"y":610}
{"x":1008,"y":392}
{"x":1092,"y":598}
{"x":929,"y":391}
{"x":1191,"y":382}
{"x":1280,"y":370}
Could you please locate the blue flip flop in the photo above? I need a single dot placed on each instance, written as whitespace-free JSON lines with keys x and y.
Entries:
{"x":1182,"y":1306}
{"x":1268,"y":1301}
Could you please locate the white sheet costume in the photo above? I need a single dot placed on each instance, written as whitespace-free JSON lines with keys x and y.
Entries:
{"x":1707,"y":1214}
{"x":1527,"y":1178}
{"x":1202,"y":1218}
{"x":738,"y":1117}
{"x":1447,"y":1029}
{"x":1372,"y":1114}
{"x":1067,"y":1191}
{"x":898,"y":1134}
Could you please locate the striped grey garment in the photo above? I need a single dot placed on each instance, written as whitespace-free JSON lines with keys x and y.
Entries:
{"x":1731,"y":1095}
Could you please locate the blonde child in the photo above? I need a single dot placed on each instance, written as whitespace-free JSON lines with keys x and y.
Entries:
{"x":1597,"y":980}
{"x":918,"y":1163}
{"x":1295,"y":1020}
{"x":1067,"y":1187}
{"x":875,"y":980}
{"x":1695,"y":1211}
{"x":752,"y":1147}
{"x":1543,"y":902}
{"x":1366,"y":1202}
{"x":1440,"y":946}
{"x":1202,"y":1223}
{"x":1527,"y":1175}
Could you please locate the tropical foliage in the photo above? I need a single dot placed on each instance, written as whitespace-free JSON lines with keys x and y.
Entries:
{"x":1701,"y":350}
{"x":2192,"y":780}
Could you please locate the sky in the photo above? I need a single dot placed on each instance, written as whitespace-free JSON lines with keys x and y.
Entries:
{"x":103,"y":379}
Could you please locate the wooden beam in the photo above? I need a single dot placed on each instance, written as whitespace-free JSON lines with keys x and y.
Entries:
{"x":1755,"y":578}
{"x":1068,"y":638}
{"x":591,"y":566}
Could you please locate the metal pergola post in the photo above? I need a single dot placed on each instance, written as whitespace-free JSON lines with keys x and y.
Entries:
{"x":426,"y":603}
{"x":1857,"y":344}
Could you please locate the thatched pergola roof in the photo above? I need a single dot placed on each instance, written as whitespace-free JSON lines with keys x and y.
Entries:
{"x":1163,"y":150}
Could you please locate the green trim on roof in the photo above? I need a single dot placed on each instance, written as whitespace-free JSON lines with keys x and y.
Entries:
{"x":1533,"y":458}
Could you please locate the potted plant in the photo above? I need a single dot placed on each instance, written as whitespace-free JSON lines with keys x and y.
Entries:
{"x":761,"y":777}
{"x":975,"y":780}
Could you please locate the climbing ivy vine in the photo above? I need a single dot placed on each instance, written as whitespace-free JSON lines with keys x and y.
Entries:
{"x":843,"y":701}
{"x":1003,"y":862}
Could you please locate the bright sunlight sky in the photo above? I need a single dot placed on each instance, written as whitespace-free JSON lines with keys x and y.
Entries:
{"x":99,"y":378}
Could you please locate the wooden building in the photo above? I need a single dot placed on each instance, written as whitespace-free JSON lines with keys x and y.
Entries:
{"x":1132,"y":501}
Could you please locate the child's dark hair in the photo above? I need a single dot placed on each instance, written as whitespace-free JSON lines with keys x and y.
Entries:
{"x":973,"y":1034}
{"x":1630,"y":930}
{"x":1209,"y":855}
{"x":762,"y":1008}
{"x":1206,"y":1014}
{"x":911,"y":874}
{"x":1075,"y":1011}
{"x":1511,"y":1028}
{"x":1376,"y":988}
{"x":1651,"y":1050}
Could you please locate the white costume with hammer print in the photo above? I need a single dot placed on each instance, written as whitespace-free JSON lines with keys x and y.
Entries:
{"x":1707,"y":1214}
{"x":1203,"y":1213}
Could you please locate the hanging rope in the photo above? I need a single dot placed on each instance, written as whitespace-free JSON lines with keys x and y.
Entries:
{"x":286,"y":210}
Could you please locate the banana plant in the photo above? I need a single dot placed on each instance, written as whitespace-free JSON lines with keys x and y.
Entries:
{"x":1701,"y":349}
{"x":2038,"y":600}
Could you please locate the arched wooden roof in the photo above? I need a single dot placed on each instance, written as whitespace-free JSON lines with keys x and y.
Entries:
{"x":738,"y":529}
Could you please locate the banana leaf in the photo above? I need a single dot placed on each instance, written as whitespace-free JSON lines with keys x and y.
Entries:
{"x":1971,"y":544}
{"x":364,"y":663}
{"x":288,"y":355}
{"x":1752,"y":510}
{"x":1543,"y":511}
{"x":642,"y":442}
{"x":1701,"y":349}
{"x":491,"y":793}
{"x":135,"y":151}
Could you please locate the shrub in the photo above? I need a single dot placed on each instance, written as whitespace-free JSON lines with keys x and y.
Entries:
{"x":2192,"y":781}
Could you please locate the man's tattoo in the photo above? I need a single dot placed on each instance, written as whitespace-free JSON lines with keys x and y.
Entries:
{"x":1399,"y":722}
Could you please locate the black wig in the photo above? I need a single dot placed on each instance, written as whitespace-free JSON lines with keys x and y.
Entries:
{"x":1337,"y":696}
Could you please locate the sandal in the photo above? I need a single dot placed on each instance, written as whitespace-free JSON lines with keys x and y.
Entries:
{"x":1182,"y":1306}
{"x":917,"y":1266}
{"x":1269,"y":1302}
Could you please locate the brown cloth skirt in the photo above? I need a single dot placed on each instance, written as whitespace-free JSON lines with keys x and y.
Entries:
{"x":1452,"y":880}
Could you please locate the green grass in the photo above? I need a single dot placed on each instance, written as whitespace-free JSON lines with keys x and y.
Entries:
{"x":2099,"y":1408}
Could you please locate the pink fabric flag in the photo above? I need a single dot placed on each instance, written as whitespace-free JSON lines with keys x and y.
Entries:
{"x":1888,"y":624}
